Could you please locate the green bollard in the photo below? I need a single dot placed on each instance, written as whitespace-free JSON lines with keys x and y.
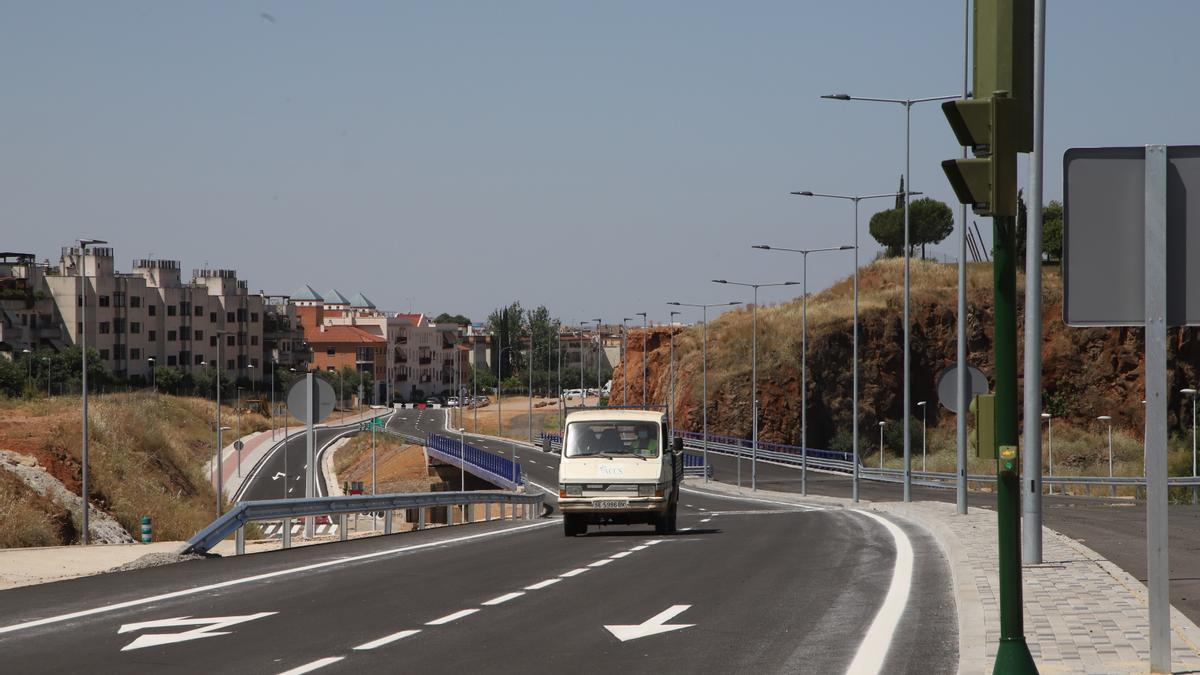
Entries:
{"x":146,"y":534}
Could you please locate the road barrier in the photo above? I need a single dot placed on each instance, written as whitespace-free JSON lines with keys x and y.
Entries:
{"x":244,"y":513}
{"x":147,"y":533}
{"x":493,"y":468}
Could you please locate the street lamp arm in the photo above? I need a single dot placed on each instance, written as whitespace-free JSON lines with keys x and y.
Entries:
{"x":854,"y":198}
{"x":805,"y":251}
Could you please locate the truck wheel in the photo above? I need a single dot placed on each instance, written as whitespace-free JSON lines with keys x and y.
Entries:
{"x":662,"y":524}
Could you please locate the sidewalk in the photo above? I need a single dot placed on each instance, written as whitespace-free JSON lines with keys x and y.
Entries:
{"x":259,"y":443}
{"x":1083,"y":614}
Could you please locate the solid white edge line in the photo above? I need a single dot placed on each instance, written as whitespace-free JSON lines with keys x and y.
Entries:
{"x":542,"y":584}
{"x":387,"y":639}
{"x":873,"y":650}
{"x":259,"y":577}
{"x":309,"y":667}
{"x":504,"y":598}
{"x":717,"y":495}
{"x":452,"y":617}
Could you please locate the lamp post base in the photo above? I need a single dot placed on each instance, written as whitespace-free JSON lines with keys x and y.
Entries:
{"x":1013,"y":658}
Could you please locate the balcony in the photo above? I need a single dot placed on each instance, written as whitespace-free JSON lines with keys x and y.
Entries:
{"x":425,"y":360}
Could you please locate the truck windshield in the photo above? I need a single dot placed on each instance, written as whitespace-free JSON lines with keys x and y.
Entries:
{"x":585,"y":439}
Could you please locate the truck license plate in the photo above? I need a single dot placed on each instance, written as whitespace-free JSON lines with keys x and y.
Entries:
{"x":611,"y":503}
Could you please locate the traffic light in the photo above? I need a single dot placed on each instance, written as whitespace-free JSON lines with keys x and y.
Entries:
{"x":989,"y":181}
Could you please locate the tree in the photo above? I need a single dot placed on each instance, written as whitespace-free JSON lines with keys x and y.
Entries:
{"x":1022,"y":229}
{"x":1052,"y":230}
{"x":930,"y":221}
{"x":456,"y":319}
{"x":12,"y":378}
{"x":508,"y":330}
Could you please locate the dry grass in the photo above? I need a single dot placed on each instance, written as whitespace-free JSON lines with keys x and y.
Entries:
{"x":29,"y":519}
{"x":399,"y":467}
{"x":515,"y":412}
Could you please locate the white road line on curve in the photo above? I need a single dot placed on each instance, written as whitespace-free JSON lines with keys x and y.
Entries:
{"x":872,"y":652}
{"x":600,"y":563}
{"x":309,"y":667}
{"x":453,"y":617}
{"x":542,"y":584}
{"x":504,"y":598}
{"x":260,"y":577}
{"x":387,"y":639}
{"x":714,"y":495}
{"x":573,"y":573}
{"x":635,"y":548}
{"x":622,"y":554}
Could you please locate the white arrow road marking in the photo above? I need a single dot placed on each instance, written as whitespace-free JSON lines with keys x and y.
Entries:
{"x":279,"y":475}
{"x":207,"y":628}
{"x":652,"y":626}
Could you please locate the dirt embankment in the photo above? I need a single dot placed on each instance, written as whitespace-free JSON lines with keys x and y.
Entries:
{"x":146,"y":458}
{"x":1087,"y":372}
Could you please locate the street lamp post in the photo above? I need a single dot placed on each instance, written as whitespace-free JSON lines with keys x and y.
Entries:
{"x":274,"y":364}
{"x":1191,"y":391}
{"x":671,"y":387}
{"x":645,"y":343}
{"x":220,"y":362}
{"x":599,"y":351}
{"x":83,"y":244}
{"x":804,"y":351}
{"x":854,"y":359}
{"x":582,"y":391}
{"x":1050,"y":447}
{"x":529,"y":366}
{"x":29,"y":367}
{"x":153,"y":381}
{"x":49,"y":372}
{"x":754,"y":389}
{"x":908,"y":104}
{"x":238,"y":433}
{"x":704,"y":368}
{"x":924,"y":408}
{"x":1108,"y":419}
{"x":624,"y":364}
{"x":462,"y":460}
{"x":881,"y":445}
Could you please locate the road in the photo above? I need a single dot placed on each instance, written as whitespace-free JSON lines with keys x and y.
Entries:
{"x":748,"y":586}
{"x":1114,"y":528}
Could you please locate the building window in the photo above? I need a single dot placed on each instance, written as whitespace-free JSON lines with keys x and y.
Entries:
{"x":103,"y":357}
{"x":241,"y":339}
{"x":199,"y":360}
{"x":185,"y":356}
{"x":212,"y":342}
{"x":118,"y":352}
{"x":229,"y":364}
{"x":135,"y":327}
{"x":241,"y":315}
{"x":229,"y":341}
{"x":171,"y":337}
{"x":199,"y":336}
{"x":135,"y":301}
{"x":330,"y":369}
{"x":152,"y":336}
{"x":185,"y":307}
{"x":170,"y":362}
{"x":229,"y":317}
{"x":135,"y":354}
{"x":118,"y":298}
{"x":170,"y":310}
{"x":212,"y":317}
{"x":119,"y":326}
{"x":199,"y":310}
{"x":253,"y":340}
{"x":253,"y":317}
{"x":329,"y":351}
{"x":103,"y":328}
{"x":254,"y":363}
{"x":153,"y":310}
{"x":102,"y":300}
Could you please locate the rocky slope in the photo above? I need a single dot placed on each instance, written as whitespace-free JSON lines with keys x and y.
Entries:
{"x":1086,"y":371}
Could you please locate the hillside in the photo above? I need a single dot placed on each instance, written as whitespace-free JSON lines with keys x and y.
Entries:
{"x":1087,"y":372}
{"x":146,"y":455}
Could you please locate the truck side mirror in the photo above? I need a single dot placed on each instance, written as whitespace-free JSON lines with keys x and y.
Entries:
{"x":677,"y":444}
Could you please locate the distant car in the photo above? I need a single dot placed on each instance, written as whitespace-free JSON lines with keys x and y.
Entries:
{"x":433,"y":400}
{"x":452,"y":402}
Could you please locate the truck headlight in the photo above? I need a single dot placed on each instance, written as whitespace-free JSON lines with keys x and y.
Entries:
{"x":571,"y":491}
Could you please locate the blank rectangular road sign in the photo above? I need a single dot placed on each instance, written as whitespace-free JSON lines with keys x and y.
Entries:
{"x":1104,"y":236}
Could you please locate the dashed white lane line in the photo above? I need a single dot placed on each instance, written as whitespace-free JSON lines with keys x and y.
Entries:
{"x":542,"y":584}
{"x":706,"y":520}
{"x":503,"y":598}
{"x":453,"y":617}
{"x":573,"y":573}
{"x":600,"y":563}
{"x":386,"y":640}
{"x":655,"y":541}
{"x":685,"y":529}
{"x":622,"y":554}
{"x":635,"y":548}
{"x":309,"y":667}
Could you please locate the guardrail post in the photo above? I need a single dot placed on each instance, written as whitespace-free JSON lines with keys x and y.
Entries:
{"x":487,"y":512}
{"x":420,"y":517}
{"x":342,"y":521}
{"x":387,"y":521}
{"x":239,"y":542}
{"x":287,"y":532}
{"x":466,"y":513}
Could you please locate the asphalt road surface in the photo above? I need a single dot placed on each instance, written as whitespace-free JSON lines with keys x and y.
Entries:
{"x":1115,"y":528}
{"x":748,"y":586}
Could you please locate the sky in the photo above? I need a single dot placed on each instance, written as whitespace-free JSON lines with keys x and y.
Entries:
{"x":599,"y":158}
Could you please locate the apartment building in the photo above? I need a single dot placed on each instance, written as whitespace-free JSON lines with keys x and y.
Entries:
{"x":143,"y":318}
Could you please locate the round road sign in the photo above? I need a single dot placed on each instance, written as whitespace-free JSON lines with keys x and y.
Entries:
{"x":323,"y":399}
{"x":238,"y":445}
{"x":947,"y":386}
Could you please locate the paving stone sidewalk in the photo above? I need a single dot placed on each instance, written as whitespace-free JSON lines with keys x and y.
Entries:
{"x":1083,"y":614}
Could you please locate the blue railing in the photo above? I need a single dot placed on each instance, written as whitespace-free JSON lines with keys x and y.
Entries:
{"x":498,"y":469}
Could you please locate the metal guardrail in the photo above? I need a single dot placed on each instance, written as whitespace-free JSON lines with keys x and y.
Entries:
{"x":236,"y":519}
{"x":493,"y":468}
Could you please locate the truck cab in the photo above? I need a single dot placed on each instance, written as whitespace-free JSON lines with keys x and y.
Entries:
{"x":618,"y":468}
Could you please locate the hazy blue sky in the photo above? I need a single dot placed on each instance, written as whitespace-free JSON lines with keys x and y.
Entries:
{"x":600,"y":158}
